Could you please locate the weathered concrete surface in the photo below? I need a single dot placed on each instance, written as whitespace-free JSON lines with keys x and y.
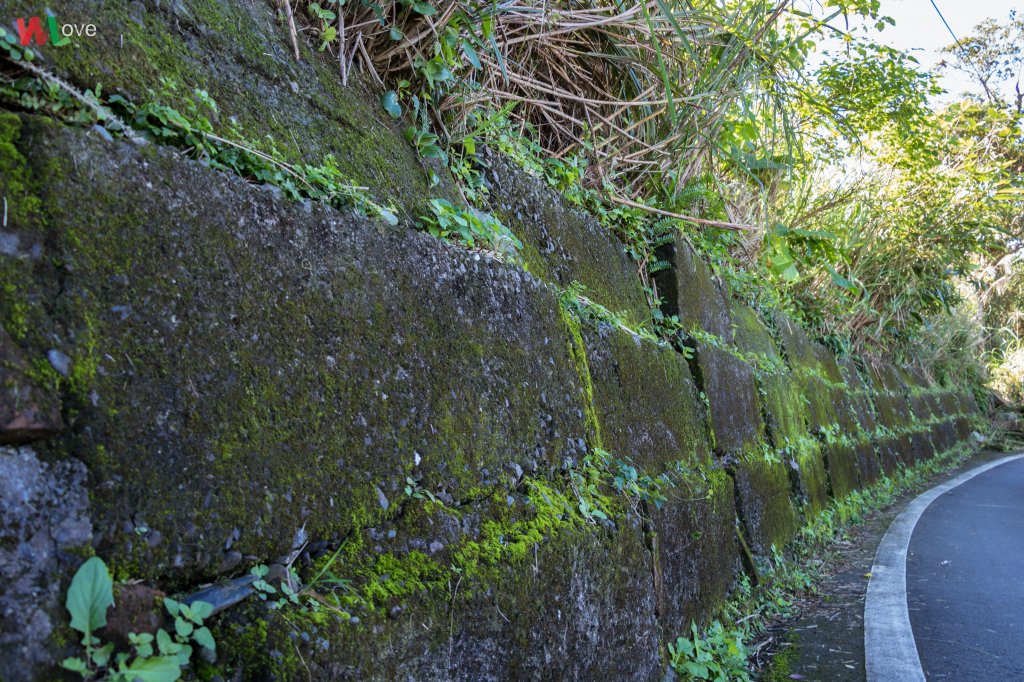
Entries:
{"x":563,"y":245}
{"x":280,"y":369}
{"x":893,"y":412}
{"x":808,"y":478}
{"x":694,"y":541}
{"x":763,"y":500}
{"x":244,"y":373}
{"x":784,"y":411}
{"x":690,"y":291}
{"x":804,"y":356}
{"x":645,"y":400}
{"x":582,"y":609}
{"x":868,"y":467}
{"x":44,"y":527}
{"x":841,"y":463}
{"x":731,"y":387}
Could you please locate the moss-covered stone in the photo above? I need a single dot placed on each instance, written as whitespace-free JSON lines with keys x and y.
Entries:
{"x":763,"y":500}
{"x":804,"y":357}
{"x":240,"y":366}
{"x":563,"y":244}
{"x":808,"y":478}
{"x":690,"y":291}
{"x":694,"y":548}
{"x":732,"y":395}
{"x":580,"y":606}
{"x":859,"y":396}
{"x":841,"y":462}
{"x":645,"y":400}
{"x":785,"y":411}
{"x":240,"y":53}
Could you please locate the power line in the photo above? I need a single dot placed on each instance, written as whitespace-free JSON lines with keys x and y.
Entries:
{"x":966,"y":56}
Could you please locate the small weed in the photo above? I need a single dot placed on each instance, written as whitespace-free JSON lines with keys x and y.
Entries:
{"x":90,"y":595}
{"x":717,"y":655}
{"x":472,"y":228}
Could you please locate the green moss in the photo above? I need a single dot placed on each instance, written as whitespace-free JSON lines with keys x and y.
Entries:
{"x":578,"y":353}
{"x":300,"y":110}
{"x":19,"y":208}
{"x":16,"y":186}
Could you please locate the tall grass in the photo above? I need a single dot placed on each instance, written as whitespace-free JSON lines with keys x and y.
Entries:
{"x":645,"y":92}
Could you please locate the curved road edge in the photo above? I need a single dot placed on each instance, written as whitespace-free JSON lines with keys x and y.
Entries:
{"x":889,"y":647}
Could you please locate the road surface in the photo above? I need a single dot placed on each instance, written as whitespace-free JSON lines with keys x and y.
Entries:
{"x":946,"y":596}
{"x":965,"y":579}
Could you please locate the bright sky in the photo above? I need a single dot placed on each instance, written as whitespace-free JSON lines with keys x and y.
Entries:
{"x":920,"y":30}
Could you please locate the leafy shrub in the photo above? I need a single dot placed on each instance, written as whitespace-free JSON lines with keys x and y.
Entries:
{"x":719,"y":655}
{"x":472,"y":228}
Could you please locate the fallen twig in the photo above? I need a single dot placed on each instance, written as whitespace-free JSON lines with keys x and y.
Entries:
{"x":669,"y":214}
{"x":291,"y":29}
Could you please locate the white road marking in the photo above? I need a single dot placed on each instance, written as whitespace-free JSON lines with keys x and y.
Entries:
{"x":889,"y":647}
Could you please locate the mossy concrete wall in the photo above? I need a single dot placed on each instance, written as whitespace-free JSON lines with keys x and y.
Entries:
{"x":240,"y":53}
{"x":238,"y":379}
{"x":212,"y":377}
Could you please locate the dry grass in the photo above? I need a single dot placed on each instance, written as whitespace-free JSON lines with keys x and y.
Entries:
{"x":642,"y":91}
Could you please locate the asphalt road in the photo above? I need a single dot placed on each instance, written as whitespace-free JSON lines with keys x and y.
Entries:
{"x":965,"y":579}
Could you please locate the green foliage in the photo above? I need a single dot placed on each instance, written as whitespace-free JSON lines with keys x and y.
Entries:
{"x":717,"y":654}
{"x":91,"y":593}
{"x":471,"y":228}
{"x":193,"y":133}
{"x":12,"y":49}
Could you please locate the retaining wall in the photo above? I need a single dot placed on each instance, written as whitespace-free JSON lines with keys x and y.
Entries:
{"x":199,"y":376}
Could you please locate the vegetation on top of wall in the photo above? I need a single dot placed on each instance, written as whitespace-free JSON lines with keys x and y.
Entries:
{"x":713,"y":118}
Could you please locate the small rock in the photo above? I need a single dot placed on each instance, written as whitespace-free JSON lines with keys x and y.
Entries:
{"x":232,"y":538}
{"x":230,"y":561}
{"x":59,"y":361}
{"x":27,"y":411}
{"x":8,"y":244}
{"x":135,"y":610}
{"x":382,"y":499}
{"x":103,"y":132}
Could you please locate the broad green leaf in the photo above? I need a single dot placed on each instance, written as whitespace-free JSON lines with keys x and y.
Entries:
{"x":471,"y":54}
{"x":156,"y":669}
{"x":75,"y":665}
{"x":165,"y":644}
{"x":201,"y":610}
{"x":389,"y":100}
{"x":171,"y":605}
{"x":840,"y":280}
{"x":183,"y":627}
{"x":101,"y":656}
{"x":204,"y":638}
{"x":90,"y":595}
